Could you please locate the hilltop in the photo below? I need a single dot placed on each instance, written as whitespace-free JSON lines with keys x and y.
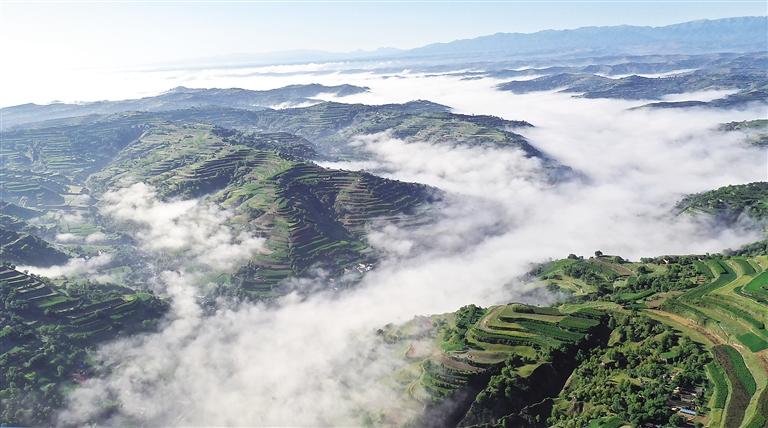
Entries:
{"x":48,"y":333}
{"x":731,"y":204}
{"x":742,"y":34}
{"x":686,"y":330}
{"x":176,"y":99}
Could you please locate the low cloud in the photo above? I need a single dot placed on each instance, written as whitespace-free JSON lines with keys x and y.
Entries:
{"x":191,"y":230}
{"x":95,"y":238}
{"x":315,"y":361}
{"x":67,"y":238}
{"x":88,"y":267}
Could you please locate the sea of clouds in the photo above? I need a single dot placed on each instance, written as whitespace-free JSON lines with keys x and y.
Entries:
{"x":316,"y":361}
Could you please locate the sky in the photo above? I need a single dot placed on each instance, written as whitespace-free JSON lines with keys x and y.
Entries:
{"x":122,"y":33}
{"x":81,"y":51}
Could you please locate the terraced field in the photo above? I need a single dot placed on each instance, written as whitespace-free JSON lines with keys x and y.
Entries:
{"x":311,"y":216}
{"x":730,"y":203}
{"x":23,"y":248}
{"x":47,"y":334}
{"x":735,"y":321}
{"x":73,"y":151}
{"x":473,"y":346}
{"x":719,"y":301}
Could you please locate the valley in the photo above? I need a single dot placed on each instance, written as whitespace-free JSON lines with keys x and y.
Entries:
{"x":489,"y":232}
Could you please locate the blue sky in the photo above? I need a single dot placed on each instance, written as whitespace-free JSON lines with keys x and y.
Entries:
{"x":130,"y":33}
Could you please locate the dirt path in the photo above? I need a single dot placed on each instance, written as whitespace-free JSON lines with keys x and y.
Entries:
{"x":616,"y":268}
{"x":715,"y":339}
{"x":491,"y":315}
{"x":763,"y":357}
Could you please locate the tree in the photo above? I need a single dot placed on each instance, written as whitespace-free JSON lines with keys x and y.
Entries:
{"x":677,"y":420}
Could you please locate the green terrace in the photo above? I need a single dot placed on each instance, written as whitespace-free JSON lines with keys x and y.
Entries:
{"x":719,"y":301}
{"x":73,"y":151}
{"x":35,"y":189}
{"x":20,"y":247}
{"x":312,"y":216}
{"x":315,"y":216}
{"x":48,"y":332}
{"x":38,"y":302}
{"x":529,"y":335}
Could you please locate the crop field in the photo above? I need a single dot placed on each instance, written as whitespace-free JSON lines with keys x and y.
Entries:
{"x":39,"y":313}
{"x":729,"y":315}
{"x":752,"y":341}
{"x":720,"y":301}
{"x":494,"y":336}
{"x":741,"y":381}
{"x":758,"y":287}
{"x":720,"y":384}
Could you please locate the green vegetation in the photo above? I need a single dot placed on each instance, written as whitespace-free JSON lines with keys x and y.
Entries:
{"x":741,"y":381}
{"x":47,"y":335}
{"x":311,"y":216}
{"x":634,"y":379}
{"x":454,"y":335}
{"x":656,"y":328}
{"x":758,"y":287}
{"x":730,"y":203}
{"x":512,"y":356}
{"x":756,"y":131}
{"x":752,"y":341}
{"x":23,"y":248}
{"x":719,"y":384}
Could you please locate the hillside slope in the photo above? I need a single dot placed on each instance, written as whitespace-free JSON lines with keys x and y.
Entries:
{"x":743,"y":34}
{"x":175,"y":99}
{"x":730,"y":204}
{"x":48,"y":333}
{"x":688,"y":331}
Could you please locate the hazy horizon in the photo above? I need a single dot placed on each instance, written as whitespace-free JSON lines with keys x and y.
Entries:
{"x":547,"y":229}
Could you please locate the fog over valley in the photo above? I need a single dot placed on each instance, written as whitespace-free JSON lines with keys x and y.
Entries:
{"x":477,"y":233}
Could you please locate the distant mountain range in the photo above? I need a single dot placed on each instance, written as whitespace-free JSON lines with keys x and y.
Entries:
{"x":743,"y":34}
{"x":740,"y":34}
{"x":178,"y":98}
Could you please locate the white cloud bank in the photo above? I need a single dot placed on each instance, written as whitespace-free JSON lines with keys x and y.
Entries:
{"x":190,"y":229}
{"x":315,"y":361}
{"x":74,"y":267}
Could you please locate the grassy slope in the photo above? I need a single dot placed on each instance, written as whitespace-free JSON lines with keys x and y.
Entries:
{"x":310,"y":215}
{"x":48,"y":333}
{"x":719,"y":314}
{"x":468,"y":350}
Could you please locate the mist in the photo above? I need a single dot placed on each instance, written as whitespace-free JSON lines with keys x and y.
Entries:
{"x":316,"y":361}
{"x":191,"y":230}
{"x":79,"y":266}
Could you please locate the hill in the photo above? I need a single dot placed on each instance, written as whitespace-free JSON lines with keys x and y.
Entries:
{"x":47,"y":335}
{"x":755,"y":131}
{"x":743,"y":34}
{"x":744,"y":74}
{"x":731,"y":204}
{"x":688,"y":331}
{"x":176,"y":99}
{"x":311,"y":216}
{"x":27,"y":249}
{"x":327,"y":127}
{"x":255,"y":163}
